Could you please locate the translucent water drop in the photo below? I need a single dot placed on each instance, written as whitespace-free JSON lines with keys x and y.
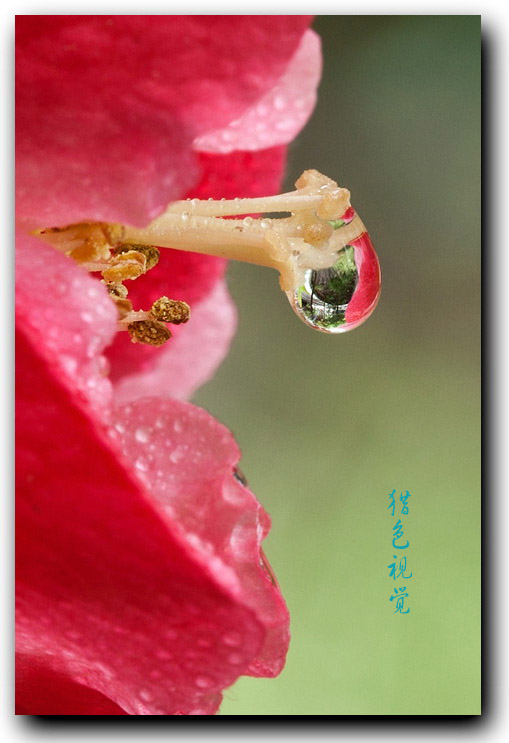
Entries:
{"x":142,"y":435}
{"x":235,"y":659}
{"x":341,"y":297}
{"x":141,"y":464}
{"x":265,"y":223}
{"x":184,"y":216}
{"x":203,"y":682}
{"x":232,"y":638}
{"x":195,"y":202}
{"x":247,"y":221}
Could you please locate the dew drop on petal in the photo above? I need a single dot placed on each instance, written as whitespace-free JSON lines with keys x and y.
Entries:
{"x":235,"y":659}
{"x":339,"y":298}
{"x":232,"y":638}
{"x":142,"y":435}
{"x":141,"y":464}
{"x":203,"y":682}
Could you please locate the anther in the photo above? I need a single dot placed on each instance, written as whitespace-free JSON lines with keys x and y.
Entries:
{"x":123,"y":266}
{"x":117,"y":291}
{"x":150,"y":252}
{"x":149,"y":332}
{"x":170,"y":310}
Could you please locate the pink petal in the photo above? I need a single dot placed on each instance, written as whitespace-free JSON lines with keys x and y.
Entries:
{"x":193,"y":354}
{"x":187,"y":459}
{"x":281,"y":113}
{"x":70,"y":317}
{"x":109,"y":595}
{"x":117,"y":591}
{"x":108,"y":106}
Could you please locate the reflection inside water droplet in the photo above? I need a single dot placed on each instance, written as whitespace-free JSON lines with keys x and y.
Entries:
{"x":341,"y":297}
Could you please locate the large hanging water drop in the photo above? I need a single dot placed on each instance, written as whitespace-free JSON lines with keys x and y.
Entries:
{"x":340,"y":298}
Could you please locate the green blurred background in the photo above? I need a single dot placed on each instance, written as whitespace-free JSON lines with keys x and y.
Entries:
{"x":330,"y":425}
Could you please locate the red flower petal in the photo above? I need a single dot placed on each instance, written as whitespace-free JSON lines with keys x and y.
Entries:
{"x":281,"y":113}
{"x":70,"y":318}
{"x":114,"y":103}
{"x":117,"y":591}
{"x":109,"y":594}
{"x":187,"y":460}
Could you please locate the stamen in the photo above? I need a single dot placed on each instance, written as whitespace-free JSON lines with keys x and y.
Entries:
{"x":151,"y":253}
{"x":150,"y":332}
{"x":117,"y":291}
{"x":170,"y":310}
{"x":312,"y":239}
{"x":128,"y":265}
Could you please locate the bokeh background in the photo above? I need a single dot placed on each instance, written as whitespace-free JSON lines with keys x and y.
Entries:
{"x":329,"y":426}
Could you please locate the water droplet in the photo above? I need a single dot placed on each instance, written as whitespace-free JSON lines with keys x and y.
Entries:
{"x":232,"y":638}
{"x":203,"y":682}
{"x":235,"y":659}
{"x":195,"y":202}
{"x":69,"y":363}
{"x":141,"y":464}
{"x":247,"y":221}
{"x":59,"y":287}
{"x":142,"y":435}
{"x":178,"y":454}
{"x":87,"y":317}
{"x":184,"y":216}
{"x":341,"y":297}
{"x":177,"y":426}
{"x":265,"y":224}
{"x":145,"y":695}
